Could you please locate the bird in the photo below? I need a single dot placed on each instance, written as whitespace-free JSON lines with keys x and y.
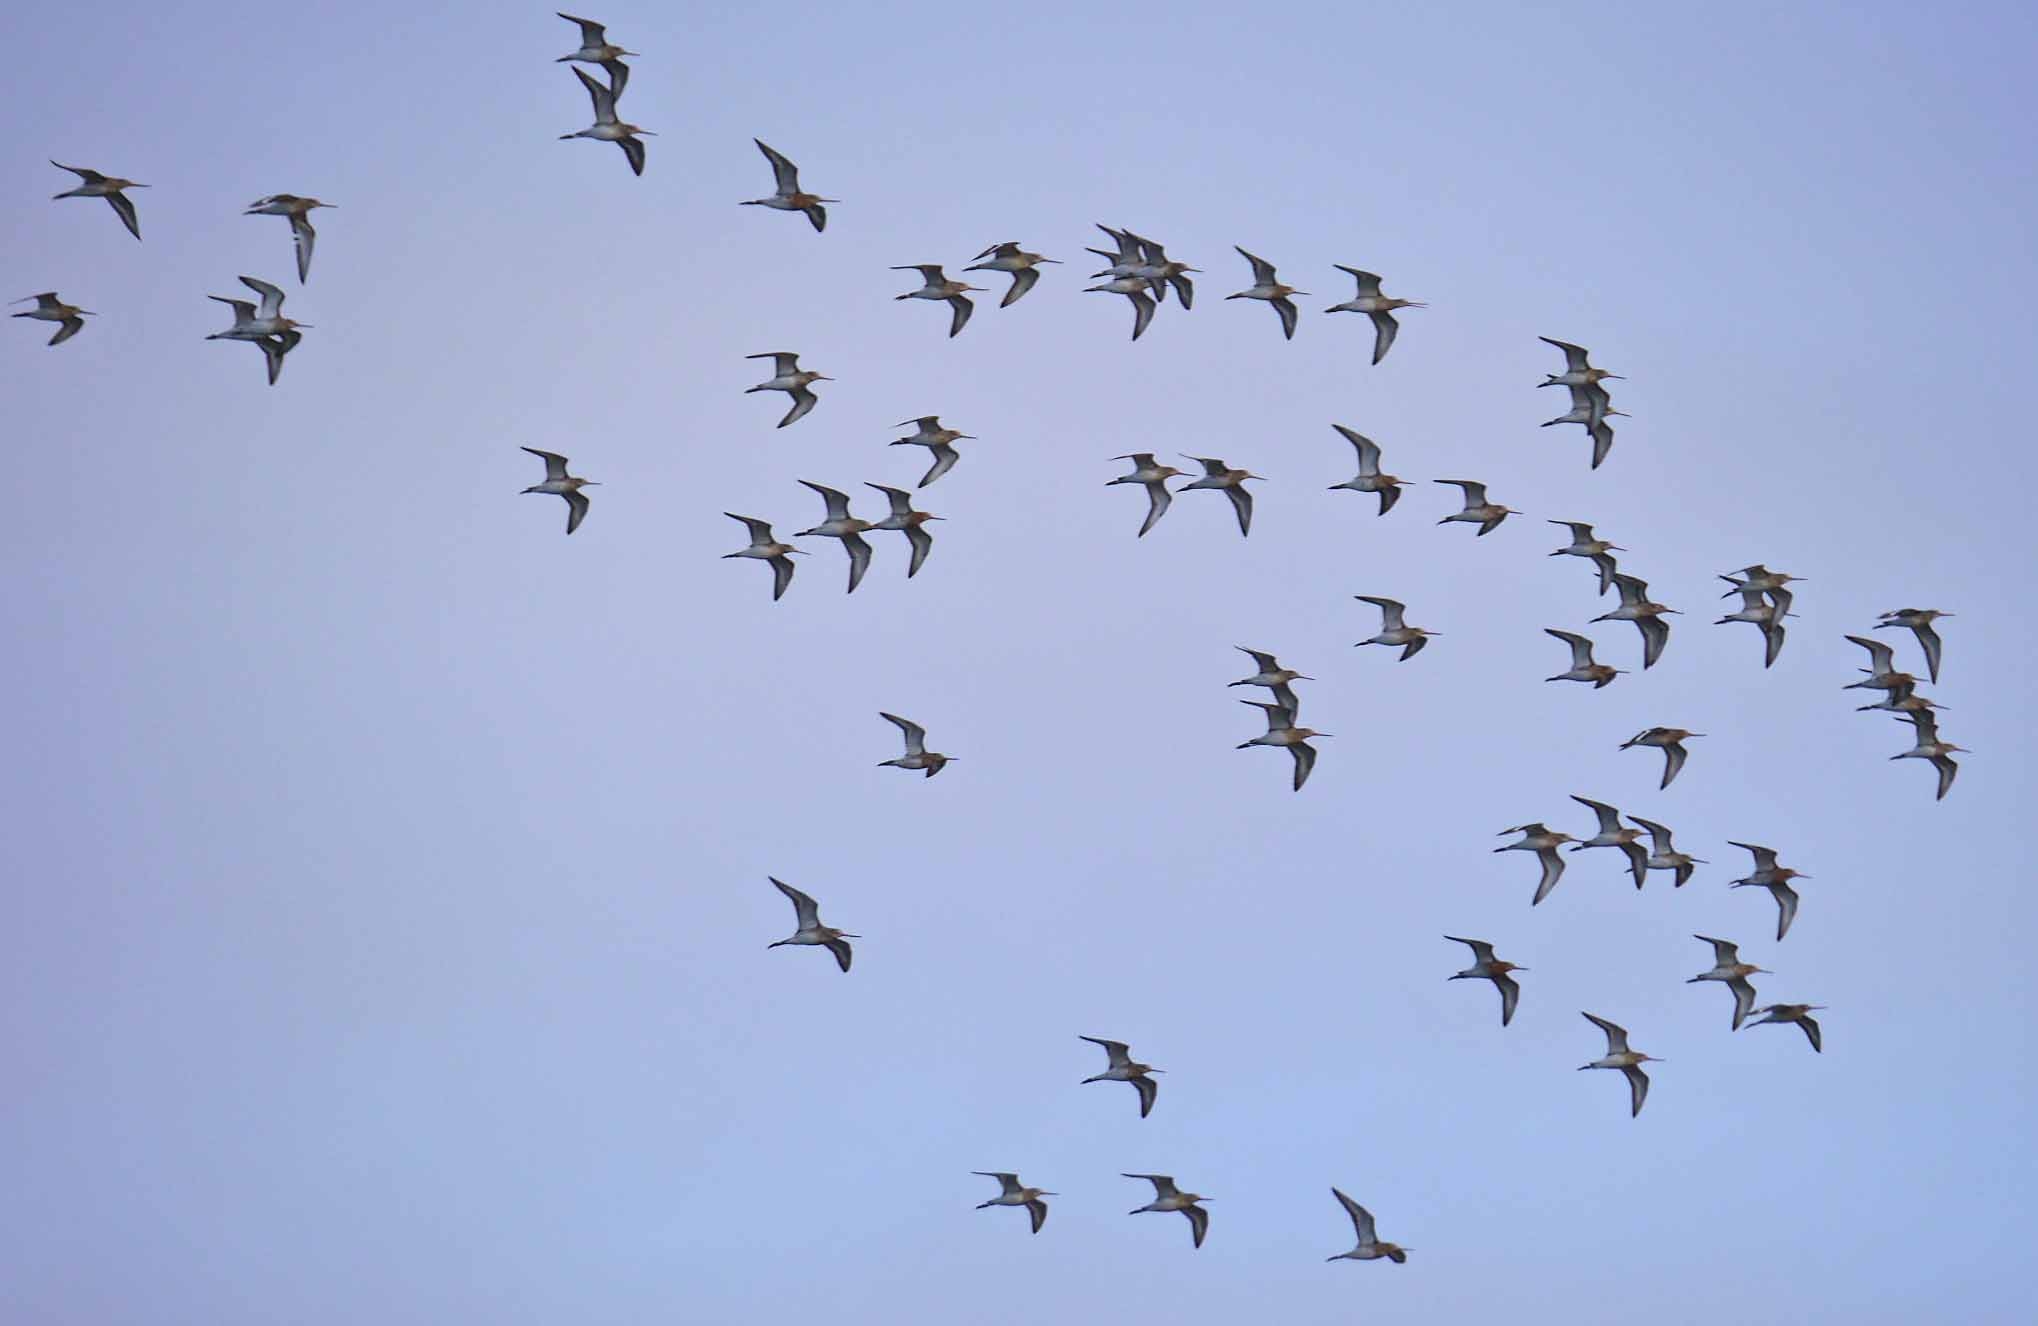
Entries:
{"x":917,"y":755}
{"x":1756,"y":608}
{"x":1218,"y":475}
{"x":938,"y":440}
{"x":606,"y":127}
{"x":251,"y":322}
{"x":1798,"y":1013}
{"x":1730,"y":971}
{"x":1369,"y":301}
{"x":811,"y":930}
{"x":1486,"y":967}
{"x":1544,"y":842}
{"x":299,"y":211}
{"x":1281,"y":731}
{"x":1762,"y":580}
{"x":1164,"y":273}
{"x":1393,"y":629}
{"x":1882,"y":672}
{"x":1487,"y":515}
{"x":769,"y":549}
{"x":1578,"y":371}
{"x":788,"y":377}
{"x":1369,"y":478}
{"x":939,"y":286}
{"x":1590,"y":407}
{"x":1663,"y":853}
{"x":1122,"y":1069}
{"x":907,"y":521}
{"x":1167,"y":1197}
{"x":91,"y":184}
{"x":1275,"y":677}
{"x":839,"y":524}
{"x":1128,"y":259}
{"x":1589,"y":546}
{"x":1919,"y":620}
{"x":49,"y":308}
{"x":1902,"y":699}
{"x":595,"y":47}
{"x":1009,"y":257}
{"x":561,"y":484}
{"x":1612,"y":833}
{"x":790,"y":197}
{"x":1369,"y":1248}
{"x":1266,"y":287}
{"x":1015,"y":1195}
{"x":1134,"y":288}
{"x":1767,"y":874}
{"x":1647,"y":616}
{"x":1670,"y":740}
{"x":1582,"y":666}
{"x":1630,"y":1062}
{"x":1930,"y":747}
{"x":1155,"y":479}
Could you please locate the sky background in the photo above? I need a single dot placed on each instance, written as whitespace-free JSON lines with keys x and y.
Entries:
{"x":386,"y":907}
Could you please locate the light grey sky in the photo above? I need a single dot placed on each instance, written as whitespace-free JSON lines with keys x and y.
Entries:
{"x":387,"y":913}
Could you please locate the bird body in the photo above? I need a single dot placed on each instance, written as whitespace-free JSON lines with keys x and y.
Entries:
{"x":1544,"y":842}
{"x":937,"y":285}
{"x":92,"y":184}
{"x":1009,"y":257}
{"x":1582,"y":666}
{"x":1798,"y":1013}
{"x":1394,"y":629}
{"x":1219,"y":476}
{"x":1369,"y":479}
{"x":917,"y":755}
{"x":790,"y":197}
{"x":561,"y":484}
{"x":938,"y":440}
{"x":840,"y":525}
{"x":1274,"y":677}
{"x":1730,"y":971}
{"x":768,"y":549}
{"x":1369,"y":1248}
{"x":1282,"y":731}
{"x":1154,"y":478}
{"x":787,"y":376}
{"x":1123,"y":1068}
{"x":1612,"y":833}
{"x":1486,"y":967}
{"x":49,"y":308}
{"x":1769,"y":875}
{"x":1478,"y":511}
{"x":1267,"y":287}
{"x":1013,"y":1193}
{"x":811,"y":931}
{"x":1167,"y":1197}
{"x":1629,"y":1062}
{"x":1380,"y":308}
{"x":1669,"y":740}
{"x":905,"y":520}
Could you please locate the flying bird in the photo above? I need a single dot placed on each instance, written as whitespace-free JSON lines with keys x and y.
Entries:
{"x":1612,"y":833}
{"x":1767,"y":874}
{"x":1009,"y":257}
{"x":1281,"y":731}
{"x":1134,"y":288}
{"x":1265,"y":286}
{"x":790,"y":197}
{"x":938,"y":440}
{"x":907,"y":521}
{"x":1798,"y":1013}
{"x":766,"y":548}
{"x":939,"y":286}
{"x":1761,"y":580}
{"x":1590,"y":408}
{"x":301,"y":234}
{"x":839,"y":524}
{"x":1369,"y":479}
{"x":1394,"y":630}
{"x":1122,"y":1069}
{"x":788,"y":377}
{"x":1274,"y":677}
{"x":1919,"y":621}
{"x":1594,"y":549}
{"x":251,"y":322}
{"x":1015,"y":1195}
{"x":1369,"y":1248}
{"x":561,"y":484}
{"x":91,"y":184}
{"x":811,"y":930}
{"x":1730,"y":971}
{"x":1756,"y":608}
{"x":606,"y":127}
{"x":1219,"y":475}
{"x":1167,"y":1197}
{"x":1369,"y":301}
{"x":917,"y":755}
{"x":1663,"y":853}
{"x":1544,"y":842}
{"x":1670,"y":740}
{"x":1930,"y":747}
{"x":1486,"y":515}
{"x":48,"y":308}
{"x":1154,"y":478}
{"x":1636,"y":607}
{"x":1629,"y":1062}
{"x":1578,"y":370}
{"x":595,"y":46}
{"x":1582,"y":666}
{"x":1486,"y":967}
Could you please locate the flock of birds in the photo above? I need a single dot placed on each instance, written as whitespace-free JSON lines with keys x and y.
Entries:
{"x":1141,"y":270}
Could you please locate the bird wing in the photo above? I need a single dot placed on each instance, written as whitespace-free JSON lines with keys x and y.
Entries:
{"x":760,"y":531}
{"x":619,"y":77}
{"x":592,"y":34}
{"x":1811,"y":1033}
{"x":1391,"y":611}
{"x":1616,"y":1035}
{"x":1655,"y":634}
{"x":1948,"y":768}
{"x":963,"y":308}
{"x":1881,"y":658}
{"x":1674,"y":755}
{"x":1212,"y":467}
{"x":1279,"y":717}
{"x":1575,"y":356}
{"x":272,"y":296}
{"x":1510,"y":995}
{"x":1609,"y":818}
{"x":783,"y":172}
{"x":1638,"y":1088}
{"x":1158,"y":500}
{"x":916,"y":736}
{"x":633,"y":151}
{"x":1038,"y":1210}
{"x":804,"y":907}
{"x":1369,"y":451}
{"x":1199,"y":1223}
{"x":840,"y":948}
{"x":123,"y":207}
{"x":1263,"y":271}
{"x":1369,"y":284}
{"x":1786,"y":907}
{"x":1929,"y":638}
{"x":1482,"y":952}
{"x":1142,"y":312}
{"x":1744,"y":996}
{"x":1765,"y":857}
{"x":1385,"y":329}
{"x":1148,"y":1089}
{"x":1163,"y":1185}
{"x":88,"y":176}
{"x":1265,"y":661}
{"x":901,"y":500}
{"x":1289,"y":313}
{"x":1305,"y":761}
{"x":604,"y":100}
{"x":784,"y":363}
{"x":781,"y":576}
{"x":1362,"y":1219}
{"x":1022,"y":281}
{"x":304,"y":237}
{"x":1659,"y":835}
{"x":1008,"y":1182}
{"x":555,"y":464}
{"x":923,"y":543}
{"x":1581,"y":648}
{"x":803,"y":401}
{"x":838,"y":501}
{"x":1724,"y":954}
{"x":859,"y":559}
{"x":1553,"y":870}
{"x":1242,"y":504}
{"x":1475,"y":493}
{"x":576,"y":510}
{"x":1119,"y":1052}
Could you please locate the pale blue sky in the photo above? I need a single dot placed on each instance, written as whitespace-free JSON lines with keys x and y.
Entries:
{"x":387,"y":914}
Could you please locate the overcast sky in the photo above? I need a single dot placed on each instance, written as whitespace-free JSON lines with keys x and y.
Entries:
{"x":386,"y":894}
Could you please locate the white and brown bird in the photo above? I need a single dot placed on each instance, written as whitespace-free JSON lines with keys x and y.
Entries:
{"x":1594,"y":549}
{"x":1628,"y":1061}
{"x":1612,"y":833}
{"x":1591,"y":409}
{"x":1167,"y":1197}
{"x":840,"y":525}
{"x":1478,"y":511}
{"x":1578,"y":369}
{"x":1282,"y":731}
{"x":917,"y":755}
{"x":595,"y":46}
{"x":1760,"y":579}
{"x":1919,"y":622}
{"x":907,"y":521}
{"x":1486,"y":967}
{"x":1544,"y":842}
{"x":1663,"y":853}
{"x":940,"y":441}
{"x":790,"y":197}
{"x":1757,"y":608}
{"x":1220,"y":476}
{"x":561,"y":484}
{"x":1380,"y":308}
{"x":1015,"y":1194}
{"x":92,"y":184}
{"x":937,"y":285}
{"x":1134,"y":288}
{"x":1669,"y":740}
{"x":1369,"y":479}
{"x":1798,"y":1013}
{"x":1394,"y":628}
{"x":1635,"y":606}
{"x":1768,"y":875}
{"x":1154,"y":478}
{"x":1274,"y":677}
{"x":1266,"y":286}
{"x":49,"y":308}
{"x":301,"y":233}
{"x":811,"y":930}
{"x":606,"y":127}
{"x":767,"y":549}
{"x":1582,"y":666}
{"x":1369,"y":1248}
{"x":1930,"y":747}
{"x":787,"y":376}
{"x":1730,"y":971}
{"x":1123,"y":1068}
{"x":1009,"y":257}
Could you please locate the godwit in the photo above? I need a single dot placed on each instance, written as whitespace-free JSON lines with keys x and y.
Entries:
{"x":811,"y":930}
{"x":1164,"y":272}
{"x":938,"y":286}
{"x":1669,"y":740}
{"x":301,"y":234}
{"x":249,"y":322}
{"x":1167,"y":1197}
{"x":1729,"y":970}
{"x":1370,"y":1247}
{"x":1930,"y":747}
{"x":1919,"y":620}
{"x":1630,"y":1062}
{"x":1374,"y":305}
{"x":1544,"y":842}
{"x":1648,"y":617}
{"x":790,"y":197}
{"x":1591,"y":408}
{"x":1123,"y":1069}
{"x":91,"y":184}
{"x":1133,"y":288}
{"x":1756,"y":608}
{"x":917,"y":755}
{"x":561,"y":484}
{"x":1582,"y":666}
{"x":907,"y":521}
{"x":1394,"y":630}
{"x":1798,"y":1013}
{"x":1776,"y":879}
{"x":1882,"y":673}
{"x":595,"y":46}
{"x":841,"y":525}
{"x":1155,"y":479}
{"x":1594,"y":549}
{"x":606,"y":127}
{"x":1009,"y":257}
{"x":787,"y":376}
{"x":1902,"y":699}
{"x":938,"y":440}
{"x":1486,"y":967}
{"x":1281,"y":731}
{"x":1219,"y":475}
{"x":48,"y":308}
{"x":1663,"y":853}
{"x":1014,"y":1195}
{"x":1761,"y":580}
{"x":1129,"y":259}
{"x":1266,"y":287}
{"x":1369,"y":479}
{"x":1486,"y":515}
{"x":1274,"y":677}
{"x":766,"y":548}
{"x":1578,"y":371}
{"x":1612,"y":833}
